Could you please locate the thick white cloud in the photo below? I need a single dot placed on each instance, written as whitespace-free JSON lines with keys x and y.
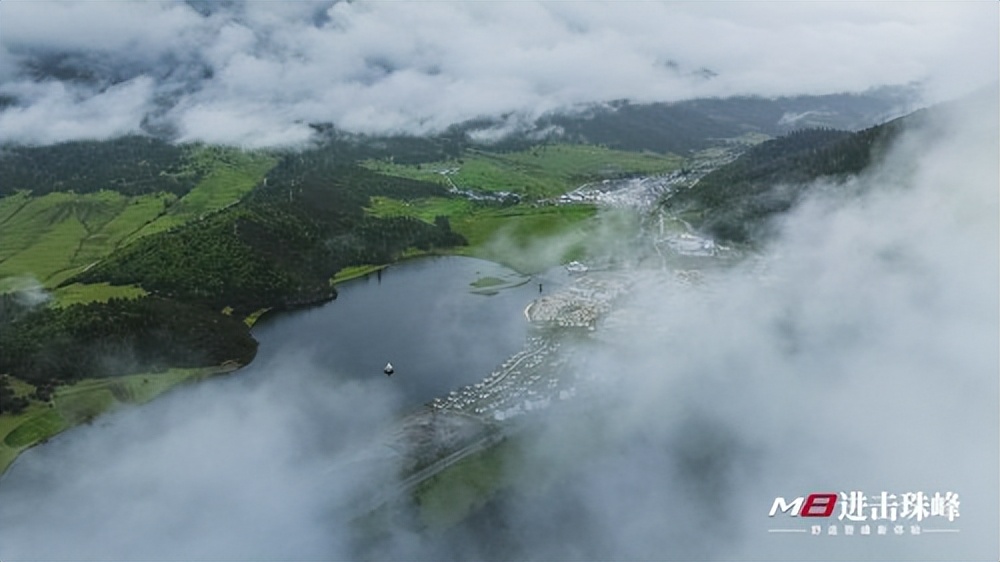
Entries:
{"x":61,"y":111}
{"x":416,"y":67}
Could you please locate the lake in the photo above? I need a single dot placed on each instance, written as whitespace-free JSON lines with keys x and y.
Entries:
{"x":424,"y":316}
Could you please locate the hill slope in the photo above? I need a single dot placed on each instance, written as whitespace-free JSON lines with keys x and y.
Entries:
{"x":281,"y":244}
{"x":735,"y":201}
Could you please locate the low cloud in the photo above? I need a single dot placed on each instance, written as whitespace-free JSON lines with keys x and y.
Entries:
{"x":257,"y":74}
{"x":196,"y":475}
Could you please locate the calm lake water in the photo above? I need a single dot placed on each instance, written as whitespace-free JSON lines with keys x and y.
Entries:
{"x":424,"y":316}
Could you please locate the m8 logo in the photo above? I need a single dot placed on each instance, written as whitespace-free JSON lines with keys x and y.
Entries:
{"x":813,"y":505}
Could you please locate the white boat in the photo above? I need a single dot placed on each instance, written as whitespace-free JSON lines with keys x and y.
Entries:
{"x":388,"y":369}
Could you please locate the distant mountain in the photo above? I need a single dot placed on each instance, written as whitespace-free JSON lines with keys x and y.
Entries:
{"x":139,"y":164}
{"x":684,"y":127}
{"x":679,"y":128}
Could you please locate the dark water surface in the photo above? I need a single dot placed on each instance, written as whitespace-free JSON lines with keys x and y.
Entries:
{"x":423,"y":316}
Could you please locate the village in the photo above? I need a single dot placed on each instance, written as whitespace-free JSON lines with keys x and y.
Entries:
{"x":536,"y":376}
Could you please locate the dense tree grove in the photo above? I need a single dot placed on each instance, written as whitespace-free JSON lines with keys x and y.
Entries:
{"x":118,"y":337}
{"x":349,"y":148}
{"x":735,"y":201}
{"x":281,"y":245}
{"x":132,"y":165}
{"x":10,"y":403}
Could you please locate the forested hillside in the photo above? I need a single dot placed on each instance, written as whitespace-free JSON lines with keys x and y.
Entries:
{"x":281,"y":244}
{"x":735,"y":201}
{"x":131,"y":165}
{"x":49,"y":346}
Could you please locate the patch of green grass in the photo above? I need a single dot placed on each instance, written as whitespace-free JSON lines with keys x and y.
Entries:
{"x":424,"y":209}
{"x":355,"y":271}
{"x":142,"y":388}
{"x":484,"y":282}
{"x":543,"y":171}
{"x":527,"y":239}
{"x":21,"y":283}
{"x":133,"y":216}
{"x":56,"y":235}
{"x":29,"y":221}
{"x":51,"y":240}
{"x":35,"y":428}
{"x":229,"y":175}
{"x":95,"y":292}
{"x":254,"y":316}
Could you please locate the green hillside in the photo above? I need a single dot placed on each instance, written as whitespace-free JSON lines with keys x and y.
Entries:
{"x":52,"y":235}
{"x":283,"y":243}
{"x":131,"y":165}
{"x":735,"y":201}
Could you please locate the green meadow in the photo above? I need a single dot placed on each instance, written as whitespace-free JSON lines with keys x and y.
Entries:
{"x":78,"y":293}
{"x":543,"y":171}
{"x":229,"y":175}
{"x":528,"y":238}
{"x":54,"y":236}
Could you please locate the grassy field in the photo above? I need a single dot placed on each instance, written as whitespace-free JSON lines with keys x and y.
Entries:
{"x":82,"y":402}
{"x":544,"y":171}
{"x":95,"y":292}
{"x":230,"y":174}
{"x":56,"y":235}
{"x":424,"y":209}
{"x":11,"y":204}
{"x":254,"y":316}
{"x":528,"y":238}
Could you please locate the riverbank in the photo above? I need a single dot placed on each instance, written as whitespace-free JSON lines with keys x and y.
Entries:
{"x":84,"y":401}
